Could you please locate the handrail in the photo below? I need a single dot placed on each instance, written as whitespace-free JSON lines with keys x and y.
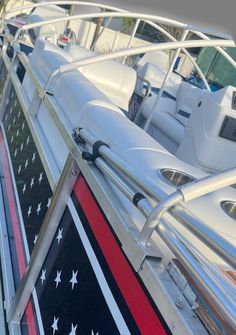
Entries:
{"x":211,"y":279}
{"x":82,"y":3}
{"x":166,"y":33}
{"x":134,"y":51}
{"x":186,"y":193}
{"x":209,"y":237}
{"x":103,"y":15}
{"x":122,"y":12}
{"x":69,"y":2}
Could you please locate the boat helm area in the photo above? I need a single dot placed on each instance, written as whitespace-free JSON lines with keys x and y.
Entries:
{"x":118,"y":140}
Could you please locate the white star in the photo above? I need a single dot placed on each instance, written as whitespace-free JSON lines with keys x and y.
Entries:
{"x":14,"y":120}
{"x":92,"y":333}
{"x":73,"y":280}
{"x":27,"y":141}
{"x":32,"y":182}
{"x":9,"y":127}
{"x":35,"y":239}
{"x":15,"y":152}
{"x":49,"y":202}
{"x":59,"y":235}
{"x":73,"y":329}
{"x":15,"y":103}
{"x":39,"y":208}
{"x":6,"y":117}
{"x":22,"y":146}
{"x":17,"y":133}
{"x":33,"y":157}
{"x":18,"y":115}
{"x":26,"y":163}
{"x":19,"y":169}
{"x":58,"y":278}
{"x":12,"y":94}
{"x":23,"y":126}
{"x":12,"y":138}
{"x":40,"y":177}
{"x":29,"y":211}
{"x":54,"y":325}
{"x":43,"y":276}
{"x":24,"y":189}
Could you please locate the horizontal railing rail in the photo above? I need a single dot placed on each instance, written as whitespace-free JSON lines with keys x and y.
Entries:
{"x":210,"y":238}
{"x":212,"y":280}
{"x":124,"y":176}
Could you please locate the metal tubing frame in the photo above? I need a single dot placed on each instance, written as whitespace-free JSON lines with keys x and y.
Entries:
{"x":80,"y":3}
{"x":101,"y":147}
{"x":45,"y":238}
{"x":132,"y":36}
{"x":101,"y":33}
{"x":229,"y":58}
{"x":186,"y":193}
{"x":103,"y":15}
{"x":215,"y":289}
{"x":131,"y":52}
{"x":185,"y":51}
{"x":51,"y":3}
{"x":223,"y":248}
{"x":6,"y":263}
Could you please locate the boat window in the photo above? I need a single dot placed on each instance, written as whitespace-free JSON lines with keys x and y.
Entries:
{"x":212,"y":62}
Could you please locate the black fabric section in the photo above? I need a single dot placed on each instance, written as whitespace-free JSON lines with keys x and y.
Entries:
{"x":81,"y":304}
{"x":106,"y":270}
{"x":33,"y":188}
{"x":183,"y":113}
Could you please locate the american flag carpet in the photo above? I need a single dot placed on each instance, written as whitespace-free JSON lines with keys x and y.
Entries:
{"x":86,"y":285}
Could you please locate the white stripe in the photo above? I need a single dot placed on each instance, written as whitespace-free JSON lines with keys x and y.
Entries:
{"x":26,"y":248}
{"x":111,"y":303}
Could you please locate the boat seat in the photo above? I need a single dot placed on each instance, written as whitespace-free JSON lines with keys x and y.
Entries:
{"x":117,"y":81}
{"x":47,"y":57}
{"x":187,"y":100}
{"x":172,"y":115}
{"x":210,"y":137}
{"x":155,"y":75}
{"x":49,"y":31}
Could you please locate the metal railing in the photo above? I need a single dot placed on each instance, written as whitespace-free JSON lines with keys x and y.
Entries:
{"x":124,"y":177}
{"x":212,"y":280}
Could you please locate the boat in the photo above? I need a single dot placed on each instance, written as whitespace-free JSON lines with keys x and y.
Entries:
{"x":117,"y":160}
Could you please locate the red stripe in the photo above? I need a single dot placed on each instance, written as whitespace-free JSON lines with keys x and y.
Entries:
{"x":135,"y":298}
{"x":16,"y":231}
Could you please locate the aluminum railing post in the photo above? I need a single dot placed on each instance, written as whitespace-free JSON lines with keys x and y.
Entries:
{"x":51,"y":222}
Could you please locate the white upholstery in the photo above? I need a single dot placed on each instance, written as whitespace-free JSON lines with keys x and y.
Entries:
{"x":155,"y":75}
{"x":44,"y":13}
{"x":172,"y":116}
{"x":187,"y":100}
{"x":203,"y":146}
{"x":117,"y":81}
{"x":158,"y":58}
{"x":72,"y":90}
